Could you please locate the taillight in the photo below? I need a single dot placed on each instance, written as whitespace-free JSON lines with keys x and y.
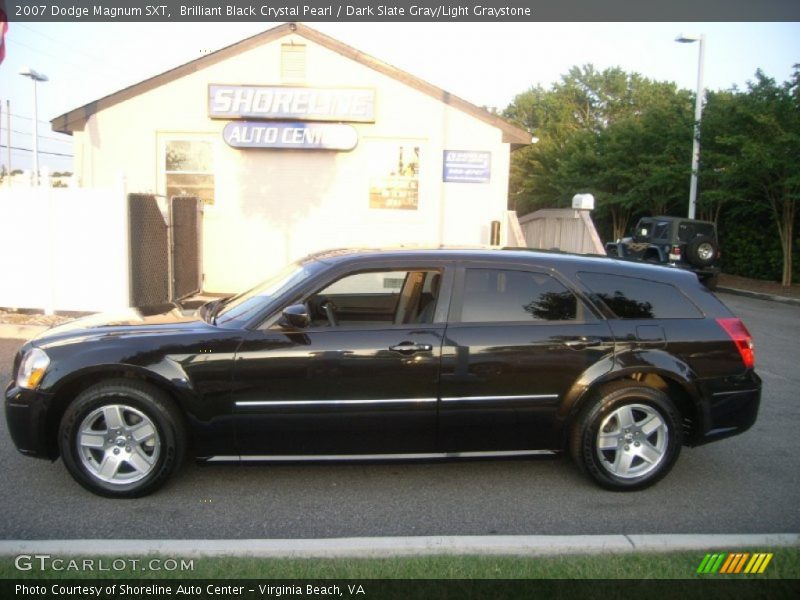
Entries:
{"x":675,"y":253}
{"x":741,"y":337}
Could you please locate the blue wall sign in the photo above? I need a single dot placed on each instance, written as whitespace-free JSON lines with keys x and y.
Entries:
{"x":465,"y":166}
{"x":302,"y":136}
{"x":286,"y":102}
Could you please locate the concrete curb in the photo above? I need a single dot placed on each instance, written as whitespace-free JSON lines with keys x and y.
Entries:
{"x":759,"y":295}
{"x":382,"y":547}
{"x":22,"y":332}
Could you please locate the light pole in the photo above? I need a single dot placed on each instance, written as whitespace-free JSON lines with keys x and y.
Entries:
{"x":698,"y":113}
{"x":36,"y":77}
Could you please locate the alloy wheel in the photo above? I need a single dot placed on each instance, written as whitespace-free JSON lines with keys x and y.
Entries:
{"x":632,"y":441}
{"x":118,"y":444}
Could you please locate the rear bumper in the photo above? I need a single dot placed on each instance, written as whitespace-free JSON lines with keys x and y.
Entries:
{"x":26,"y":415}
{"x":731,"y":407}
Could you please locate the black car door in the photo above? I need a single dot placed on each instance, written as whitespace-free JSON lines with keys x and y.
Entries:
{"x":361,"y":379}
{"x":518,"y":340}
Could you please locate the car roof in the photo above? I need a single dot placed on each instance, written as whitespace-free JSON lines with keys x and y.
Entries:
{"x":549,"y":259}
{"x":666,"y":218}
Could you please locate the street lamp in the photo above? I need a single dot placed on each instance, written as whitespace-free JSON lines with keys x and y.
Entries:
{"x":36,"y":77}
{"x":698,"y":113}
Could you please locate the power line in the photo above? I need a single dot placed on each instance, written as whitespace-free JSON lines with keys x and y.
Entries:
{"x":29,"y":118}
{"x":45,"y":137}
{"x":40,"y":151}
{"x":69,"y":45}
{"x":69,"y":62}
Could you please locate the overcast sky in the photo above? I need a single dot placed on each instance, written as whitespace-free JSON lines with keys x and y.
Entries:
{"x":485,"y":63}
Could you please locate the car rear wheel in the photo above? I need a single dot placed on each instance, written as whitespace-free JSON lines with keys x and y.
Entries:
{"x":628,"y":437}
{"x":122,"y":438}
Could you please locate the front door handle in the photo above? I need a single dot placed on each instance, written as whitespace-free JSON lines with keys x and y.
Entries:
{"x":410,"y":348}
{"x":583,"y":342}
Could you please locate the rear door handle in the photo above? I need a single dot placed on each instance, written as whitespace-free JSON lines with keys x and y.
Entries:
{"x":410,"y":348}
{"x":583,"y":342}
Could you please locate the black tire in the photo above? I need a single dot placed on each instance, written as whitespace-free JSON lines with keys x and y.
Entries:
{"x":652,"y":257}
{"x":710,"y":282}
{"x":135,"y":405}
{"x":664,"y":443}
{"x":702,"y":251}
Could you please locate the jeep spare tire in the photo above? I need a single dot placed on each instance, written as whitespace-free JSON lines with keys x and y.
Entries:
{"x":702,"y":251}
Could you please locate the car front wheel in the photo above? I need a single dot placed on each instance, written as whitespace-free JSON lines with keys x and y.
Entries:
{"x":628,"y":438}
{"x":122,"y":438}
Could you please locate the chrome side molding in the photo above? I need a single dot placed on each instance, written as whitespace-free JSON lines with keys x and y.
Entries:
{"x":375,"y":457}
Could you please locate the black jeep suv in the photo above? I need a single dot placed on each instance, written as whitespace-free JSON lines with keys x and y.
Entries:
{"x":680,"y":242}
{"x":396,"y":354}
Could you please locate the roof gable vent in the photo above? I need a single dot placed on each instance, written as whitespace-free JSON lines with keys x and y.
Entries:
{"x":293,"y":63}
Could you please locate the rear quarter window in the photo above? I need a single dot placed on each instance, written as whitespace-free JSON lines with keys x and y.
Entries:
{"x":634,"y":298}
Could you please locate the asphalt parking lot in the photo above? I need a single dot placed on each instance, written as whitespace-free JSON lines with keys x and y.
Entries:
{"x":746,"y":484}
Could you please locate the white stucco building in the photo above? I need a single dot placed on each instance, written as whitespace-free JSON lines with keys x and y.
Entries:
{"x":297,"y":142}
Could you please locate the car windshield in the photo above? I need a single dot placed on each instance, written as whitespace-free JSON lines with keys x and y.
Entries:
{"x":250,"y":302}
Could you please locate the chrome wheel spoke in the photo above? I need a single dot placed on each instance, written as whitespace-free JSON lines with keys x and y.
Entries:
{"x":649,"y":453}
{"x":624,"y":417}
{"x":93,"y":440}
{"x":607,"y":441}
{"x":113,"y":417}
{"x":622,"y":464}
{"x":143,"y":431}
{"x":140,"y":461}
{"x":109,"y":467}
{"x":651,"y":424}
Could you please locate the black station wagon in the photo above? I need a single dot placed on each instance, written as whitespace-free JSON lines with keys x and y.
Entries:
{"x":364,"y":354}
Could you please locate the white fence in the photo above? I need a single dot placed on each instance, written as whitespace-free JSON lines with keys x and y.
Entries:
{"x":562,"y":228}
{"x":64,"y":249}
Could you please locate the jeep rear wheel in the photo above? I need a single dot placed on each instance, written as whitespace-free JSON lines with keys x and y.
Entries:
{"x":702,"y":251}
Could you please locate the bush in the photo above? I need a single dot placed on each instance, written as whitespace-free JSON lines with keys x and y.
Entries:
{"x":752,"y":248}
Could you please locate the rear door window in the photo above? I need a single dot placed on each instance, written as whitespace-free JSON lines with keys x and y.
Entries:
{"x":505,"y":295}
{"x":634,"y":298}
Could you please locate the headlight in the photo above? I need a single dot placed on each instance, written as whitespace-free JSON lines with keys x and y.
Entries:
{"x":32,"y":369}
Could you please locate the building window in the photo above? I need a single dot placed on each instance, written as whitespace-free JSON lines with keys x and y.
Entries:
{"x":293,"y":63}
{"x":189,"y":169}
{"x":394,"y":176}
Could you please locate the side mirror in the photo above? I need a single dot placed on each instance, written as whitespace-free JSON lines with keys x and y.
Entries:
{"x":296,"y":315}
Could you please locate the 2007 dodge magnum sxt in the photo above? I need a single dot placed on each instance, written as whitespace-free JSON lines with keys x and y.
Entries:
{"x":396,"y":354}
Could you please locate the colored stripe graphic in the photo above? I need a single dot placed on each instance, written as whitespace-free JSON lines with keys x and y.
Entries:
{"x":711,"y":563}
{"x":765,"y":563}
{"x":734,"y":563}
{"x":755,"y":562}
{"x":703,"y":563}
{"x":731,"y":559}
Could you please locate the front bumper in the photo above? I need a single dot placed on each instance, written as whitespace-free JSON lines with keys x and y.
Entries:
{"x":26,"y":415}
{"x":730,"y":407}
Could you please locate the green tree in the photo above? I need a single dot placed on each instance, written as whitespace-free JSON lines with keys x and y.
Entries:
{"x":619,"y":136}
{"x":752,"y":143}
